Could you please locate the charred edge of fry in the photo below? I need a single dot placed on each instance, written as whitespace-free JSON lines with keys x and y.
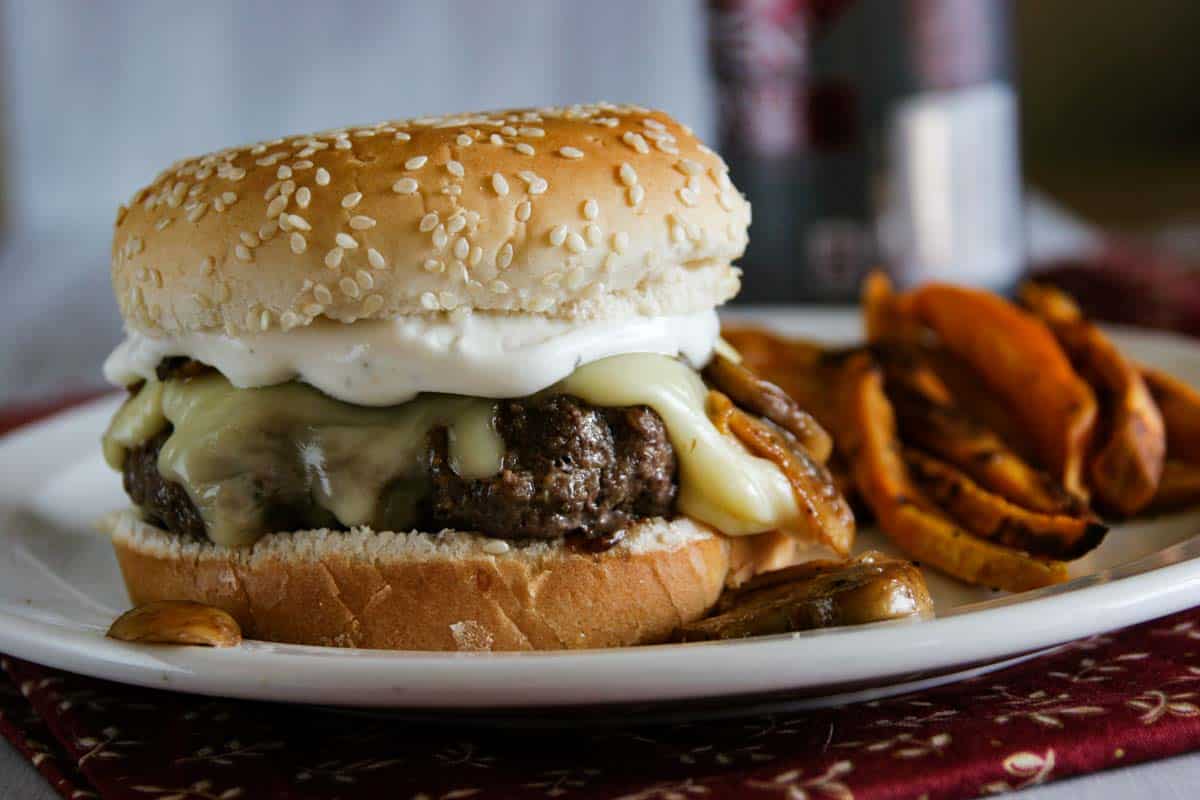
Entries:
{"x":905,"y":515}
{"x":995,"y":518}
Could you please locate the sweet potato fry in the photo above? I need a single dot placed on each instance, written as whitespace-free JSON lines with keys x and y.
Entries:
{"x":1018,"y":357}
{"x":1128,"y":461}
{"x":1179,"y":404}
{"x":995,"y":518}
{"x":1179,"y":487}
{"x":905,"y":514}
{"x":929,"y":419}
{"x":820,"y":503}
{"x":887,"y":316}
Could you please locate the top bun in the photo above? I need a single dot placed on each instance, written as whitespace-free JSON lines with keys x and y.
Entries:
{"x":582,"y":212}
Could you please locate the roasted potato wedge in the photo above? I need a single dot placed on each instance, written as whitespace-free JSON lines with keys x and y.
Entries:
{"x":994,"y":518}
{"x":1018,"y":357}
{"x":1128,"y":461}
{"x":1178,"y":489}
{"x":1179,"y":405}
{"x":820,"y":503}
{"x":931,"y":421}
{"x":904,"y":513}
{"x":764,"y":398}
{"x":823,"y":594}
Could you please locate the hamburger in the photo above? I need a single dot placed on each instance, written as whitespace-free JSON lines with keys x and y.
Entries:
{"x":436,"y":384}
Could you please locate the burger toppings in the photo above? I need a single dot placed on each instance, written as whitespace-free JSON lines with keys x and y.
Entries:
{"x":621,"y":439}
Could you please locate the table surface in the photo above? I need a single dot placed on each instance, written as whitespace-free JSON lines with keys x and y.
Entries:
{"x":1169,"y":779}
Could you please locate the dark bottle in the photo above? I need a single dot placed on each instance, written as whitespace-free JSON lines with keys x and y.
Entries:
{"x":870,"y":132}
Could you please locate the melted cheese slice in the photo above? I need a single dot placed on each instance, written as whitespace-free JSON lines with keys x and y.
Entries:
{"x":363,"y":466}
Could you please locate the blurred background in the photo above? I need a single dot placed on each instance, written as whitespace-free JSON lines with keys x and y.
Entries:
{"x":972,"y":138}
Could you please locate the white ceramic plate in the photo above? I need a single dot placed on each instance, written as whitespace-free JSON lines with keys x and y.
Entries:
{"x":59,"y":590}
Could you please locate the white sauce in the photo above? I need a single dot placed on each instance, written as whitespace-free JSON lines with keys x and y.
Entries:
{"x":385,"y":362}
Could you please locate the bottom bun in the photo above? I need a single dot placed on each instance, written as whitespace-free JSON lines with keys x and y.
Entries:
{"x":443,"y":591}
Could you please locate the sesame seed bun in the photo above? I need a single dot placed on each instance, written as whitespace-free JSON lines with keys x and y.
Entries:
{"x":447,"y":591}
{"x":582,"y":212}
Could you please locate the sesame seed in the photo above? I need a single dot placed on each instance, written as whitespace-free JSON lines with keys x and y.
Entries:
{"x":303,"y":196}
{"x":364,"y":279}
{"x":289,"y":320}
{"x":322,"y":294}
{"x":455,"y":168}
{"x":635,"y":194}
{"x":432,"y":265}
{"x":463,"y":140}
{"x":636,"y":141}
{"x":297,"y":221}
{"x":620,"y":241}
{"x":496,"y":139}
{"x":505,"y":256}
{"x":333,"y":259}
{"x":351,"y":200}
{"x":590,"y":209}
{"x":524,"y":209}
{"x":267,"y":230}
{"x":349,"y":288}
{"x":249,"y":239}
{"x":524,"y":148}
{"x":283,"y":172}
{"x":373,"y":304}
{"x":498,"y":287}
{"x":304,"y":164}
{"x":375,"y":258}
{"x":362,"y":223}
{"x":298,"y":242}
{"x":499,"y":184}
{"x":666,"y":147}
{"x":570,"y":152}
{"x":509,"y":130}
{"x":552,"y":279}
{"x":558,"y":235}
{"x":287,"y":187}
{"x":346,"y":241}
{"x":678,"y":235}
{"x":405,"y":186}
{"x":236,"y":174}
{"x":162,"y":223}
{"x":687,"y":196}
{"x":654,"y":124}
{"x":401,"y":136}
{"x":456,"y":223}
{"x":462,"y":248}
{"x":416,"y":162}
{"x":429,"y":301}
{"x":476,"y":256}
{"x":535,"y":133}
{"x":447,"y":300}
{"x":688,"y":167}
{"x":722,"y":180}
{"x":528,"y":176}
{"x":313,"y":309}
{"x":264,"y":320}
{"x":592,"y":232}
{"x":229,"y":198}
{"x":628,"y":174}
{"x":693,"y":184}
{"x":539,"y":186}
{"x":277,"y":206}
{"x":428,"y":222}
{"x":495,"y":547}
{"x":322,"y":176}
{"x":440,"y":237}
{"x":726,"y":200}
{"x":575,"y":243}
{"x":243,"y":252}
{"x":197,"y":212}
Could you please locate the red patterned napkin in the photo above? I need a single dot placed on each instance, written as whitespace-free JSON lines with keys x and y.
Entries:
{"x":1099,"y":703}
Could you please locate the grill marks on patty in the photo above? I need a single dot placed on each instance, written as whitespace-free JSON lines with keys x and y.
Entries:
{"x":569,"y":468}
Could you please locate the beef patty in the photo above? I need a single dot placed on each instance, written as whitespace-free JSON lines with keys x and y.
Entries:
{"x":568,"y":468}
